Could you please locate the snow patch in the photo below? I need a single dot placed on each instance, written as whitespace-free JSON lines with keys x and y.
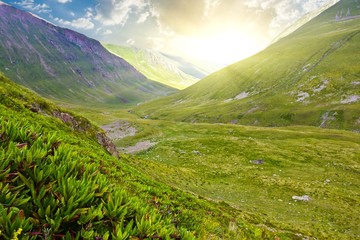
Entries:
{"x":351,"y":99}
{"x":302,"y":96}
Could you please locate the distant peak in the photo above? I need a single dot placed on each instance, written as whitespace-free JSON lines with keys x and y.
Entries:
{"x":2,"y":3}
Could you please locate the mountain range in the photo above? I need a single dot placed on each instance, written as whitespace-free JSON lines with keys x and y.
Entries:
{"x":154,"y":66}
{"x":66,"y":65}
{"x":310,"y":77}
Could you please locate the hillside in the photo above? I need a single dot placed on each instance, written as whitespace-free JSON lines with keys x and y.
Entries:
{"x":303,"y":20}
{"x":66,"y":65}
{"x":57,"y":181}
{"x":154,"y":66}
{"x":310,"y":77}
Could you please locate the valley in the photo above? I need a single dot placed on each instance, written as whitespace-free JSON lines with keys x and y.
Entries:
{"x":102,"y":141}
{"x":155,"y":66}
{"x":256,"y":170}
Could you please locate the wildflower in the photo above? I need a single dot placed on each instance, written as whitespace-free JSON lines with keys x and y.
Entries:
{"x":16,"y":234}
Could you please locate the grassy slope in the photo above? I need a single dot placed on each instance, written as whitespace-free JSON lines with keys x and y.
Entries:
{"x":154,"y":66}
{"x":214,"y":161}
{"x":319,"y":59}
{"x":59,"y":183}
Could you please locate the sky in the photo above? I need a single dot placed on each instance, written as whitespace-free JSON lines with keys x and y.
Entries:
{"x":209,"y":33}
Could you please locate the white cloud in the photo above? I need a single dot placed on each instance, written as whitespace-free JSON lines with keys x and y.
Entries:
{"x":80,"y":23}
{"x":64,"y":1}
{"x":89,"y":13}
{"x":32,"y":6}
{"x":143,"y":17}
{"x":209,"y":5}
{"x":117,"y":12}
{"x":285,"y":12}
{"x":130,"y":41}
{"x":85,"y":22}
{"x":108,"y":32}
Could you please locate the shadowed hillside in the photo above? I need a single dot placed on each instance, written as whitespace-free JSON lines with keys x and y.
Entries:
{"x":65,"y":65}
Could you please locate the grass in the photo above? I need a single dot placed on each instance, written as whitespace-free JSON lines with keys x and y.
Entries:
{"x":58,"y":182}
{"x":214,"y":161}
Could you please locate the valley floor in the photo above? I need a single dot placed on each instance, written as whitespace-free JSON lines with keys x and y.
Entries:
{"x":303,"y":179}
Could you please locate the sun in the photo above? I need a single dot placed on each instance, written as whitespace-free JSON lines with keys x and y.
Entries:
{"x":219,"y":49}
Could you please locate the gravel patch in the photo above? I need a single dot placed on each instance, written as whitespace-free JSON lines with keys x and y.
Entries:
{"x":139,"y":147}
{"x":119,"y":130}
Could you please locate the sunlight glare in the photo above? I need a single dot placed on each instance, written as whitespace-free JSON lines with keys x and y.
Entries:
{"x":222,"y":48}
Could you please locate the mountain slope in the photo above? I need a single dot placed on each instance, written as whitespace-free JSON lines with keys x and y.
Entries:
{"x":56,"y":182}
{"x":303,"y":20}
{"x":65,"y":65}
{"x":154,"y":66}
{"x":310,"y":77}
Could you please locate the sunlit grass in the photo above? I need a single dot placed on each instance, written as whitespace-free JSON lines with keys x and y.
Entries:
{"x":215,"y":161}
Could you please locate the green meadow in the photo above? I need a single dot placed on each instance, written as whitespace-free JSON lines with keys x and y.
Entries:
{"x":257,"y":170}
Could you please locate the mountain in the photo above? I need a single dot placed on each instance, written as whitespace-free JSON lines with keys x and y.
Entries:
{"x":304,"y":19}
{"x":154,"y":66}
{"x":188,"y":67}
{"x":310,"y":77}
{"x":65,"y":65}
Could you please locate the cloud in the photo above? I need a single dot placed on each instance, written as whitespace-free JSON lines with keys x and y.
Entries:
{"x":89,"y":13}
{"x":32,"y":6}
{"x":143,"y":17}
{"x":64,"y":1}
{"x":130,"y":41}
{"x":283,"y":12}
{"x":108,"y":32}
{"x":117,"y":12}
{"x":182,"y":16}
{"x":209,"y":5}
{"x":85,"y":22}
{"x":80,"y":23}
